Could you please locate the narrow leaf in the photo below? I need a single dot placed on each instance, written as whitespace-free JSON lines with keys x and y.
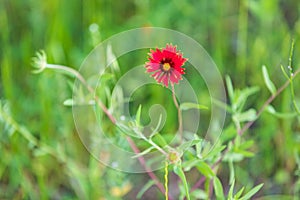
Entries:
{"x":189,"y":105}
{"x":205,"y":169}
{"x":239,"y":193}
{"x":248,"y":115}
{"x":178,"y":170}
{"x":69,"y":102}
{"x":246,"y":145}
{"x":155,"y":131}
{"x":230,"y":193}
{"x":138,"y":116}
{"x":270,"y":109}
{"x":187,"y":165}
{"x":214,"y":151}
{"x":242,"y":96}
{"x":270,"y":85}
{"x":218,"y":189}
{"x":184,"y":146}
{"x":199,"y":194}
{"x":252,"y":192}
{"x":244,"y":153}
{"x":229,"y":88}
{"x":143,"y":152}
{"x":284,"y":72}
{"x":111,"y":59}
{"x":222,"y":104}
{"x":232,"y":172}
{"x":149,"y":184}
{"x":158,"y":139}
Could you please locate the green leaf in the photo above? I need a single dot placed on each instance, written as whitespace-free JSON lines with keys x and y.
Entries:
{"x":178,"y":170}
{"x":214,"y":151}
{"x":69,"y":102}
{"x":149,"y":184}
{"x":284,"y":72}
{"x":198,"y":150}
{"x":252,"y":192}
{"x":199,"y":194}
{"x":270,"y":85}
{"x":138,"y":116}
{"x":222,"y":104}
{"x":228,"y":134}
{"x":229,"y":88}
{"x":244,"y":153}
{"x":239,"y":193}
{"x":246,"y":145}
{"x":235,"y":157}
{"x":105,"y":78}
{"x":232,"y":172}
{"x":158,"y":139}
{"x":155,"y":131}
{"x":218,"y":189}
{"x":189,"y":105}
{"x":246,"y":116}
{"x":143,"y":152}
{"x":270,"y":109}
{"x":184,"y":146}
{"x":205,"y":169}
{"x":126,"y":130}
{"x":187,"y":165}
{"x":242,"y":97}
{"x":112,"y":60}
{"x":230,"y":193}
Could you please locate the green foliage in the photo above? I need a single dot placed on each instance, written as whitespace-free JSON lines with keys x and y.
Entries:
{"x":270,"y":85}
{"x":42,"y":156}
{"x":218,"y":189}
{"x":188,"y":105}
{"x":178,"y":170}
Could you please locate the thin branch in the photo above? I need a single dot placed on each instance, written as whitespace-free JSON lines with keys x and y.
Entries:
{"x":198,"y":183}
{"x":269,"y":100}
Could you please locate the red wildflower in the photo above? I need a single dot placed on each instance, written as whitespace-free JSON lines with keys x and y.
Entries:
{"x":166,"y":65}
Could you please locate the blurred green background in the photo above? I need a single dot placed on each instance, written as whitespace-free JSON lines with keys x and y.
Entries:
{"x":240,"y":36}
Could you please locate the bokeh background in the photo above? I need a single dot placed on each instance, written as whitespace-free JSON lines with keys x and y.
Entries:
{"x":240,"y":36}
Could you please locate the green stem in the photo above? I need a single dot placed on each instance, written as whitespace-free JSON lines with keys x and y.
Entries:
{"x":166,"y":180}
{"x":153,"y":144}
{"x":178,"y":170}
{"x":292,"y":75}
{"x":180,"y":125}
{"x":293,"y":97}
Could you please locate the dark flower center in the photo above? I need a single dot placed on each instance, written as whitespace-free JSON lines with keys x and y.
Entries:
{"x":166,"y":64}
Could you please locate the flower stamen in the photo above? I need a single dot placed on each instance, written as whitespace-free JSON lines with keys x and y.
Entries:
{"x":166,"y":67}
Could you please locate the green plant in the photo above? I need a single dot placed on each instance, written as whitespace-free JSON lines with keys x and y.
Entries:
{"x":195,"y":153}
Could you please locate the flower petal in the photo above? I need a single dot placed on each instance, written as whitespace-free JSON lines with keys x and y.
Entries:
{"x":171,"y":56}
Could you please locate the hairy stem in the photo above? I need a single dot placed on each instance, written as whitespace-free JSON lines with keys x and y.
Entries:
{"x":180,"y":127}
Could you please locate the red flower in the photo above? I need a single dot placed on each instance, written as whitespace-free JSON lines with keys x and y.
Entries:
{"x":166,"y":65}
